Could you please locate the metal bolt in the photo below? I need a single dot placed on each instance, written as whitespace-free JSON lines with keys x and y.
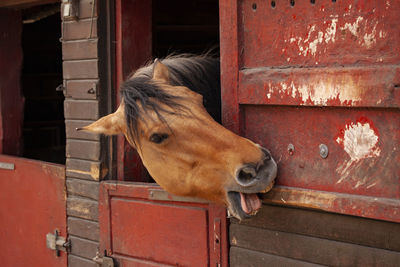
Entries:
{"x":323,"y":151}
{"x":290,"y":149}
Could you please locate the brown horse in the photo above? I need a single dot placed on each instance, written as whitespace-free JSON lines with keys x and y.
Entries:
{"x":165,"y":114}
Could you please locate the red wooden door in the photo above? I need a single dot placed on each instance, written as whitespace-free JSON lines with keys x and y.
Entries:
{"x":32,"y":204}
{"x":142,"y":225}
{"x":317,"y":83}
{"x":32,"y":193}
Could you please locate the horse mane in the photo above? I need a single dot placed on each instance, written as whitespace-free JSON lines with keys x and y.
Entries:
{"x":199,"y":73}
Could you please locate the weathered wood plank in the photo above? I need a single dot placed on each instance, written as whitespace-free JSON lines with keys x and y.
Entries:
{"x":364,"y":206}
{"x":84,"y":169}
{"x":310,"y":249}
{"x":325,"y":33}
{"x":381,"y":234}
{"x":83,"y":228}
{"x":83,"y":149}
{"x":81,"y":89}
{"x":83,"y":188}
{"x":82,"y":208}
{"x":243,"y":257}
{"x":74,"y":261}
{"x":81,"y":109}
{"x":85,"y":49}
{"x":85,"y":9}
{"x":75,"y":30}
{"x":72,"y":125}
{"x":334,"y":86}
{"x":83,"y":247}
{"x":81,"y":69}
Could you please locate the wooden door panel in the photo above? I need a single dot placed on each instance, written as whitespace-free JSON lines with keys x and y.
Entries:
{"x":159,"y":232}
{"x":325,"y":33}
{"x":142,"y":225}
{"x":32,"y":204}
{"x":296,"y":75}
{"x":346,"y":169}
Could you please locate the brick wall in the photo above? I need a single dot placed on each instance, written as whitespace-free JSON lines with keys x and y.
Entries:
{"x":87,"y":86}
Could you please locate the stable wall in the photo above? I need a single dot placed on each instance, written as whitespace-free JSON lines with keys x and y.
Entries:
{"x":87,"y":83}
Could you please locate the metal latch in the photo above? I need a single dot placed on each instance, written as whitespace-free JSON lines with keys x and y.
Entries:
{"x":70,"y":9}
{"x":103,"y":261}
{"x":57,"y":242}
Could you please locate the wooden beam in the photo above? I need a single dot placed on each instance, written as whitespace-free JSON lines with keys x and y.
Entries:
{"x":25,"y":3}
{"x":364,"y":206}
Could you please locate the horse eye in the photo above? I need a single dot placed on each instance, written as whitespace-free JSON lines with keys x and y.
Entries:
{"x":158,"y":138}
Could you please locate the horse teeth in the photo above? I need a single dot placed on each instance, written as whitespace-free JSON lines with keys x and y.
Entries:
{"x":267,"y":189}
{"x":254,"y":212}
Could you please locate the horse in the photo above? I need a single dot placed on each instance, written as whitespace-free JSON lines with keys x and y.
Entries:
{"x":169,"y":112}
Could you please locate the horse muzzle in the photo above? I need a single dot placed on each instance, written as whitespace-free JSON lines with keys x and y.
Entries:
{"x":252,"y":178}
{"x":257,"y":177}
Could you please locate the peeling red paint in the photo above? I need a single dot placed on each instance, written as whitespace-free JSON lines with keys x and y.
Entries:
{"x":317,"y":79}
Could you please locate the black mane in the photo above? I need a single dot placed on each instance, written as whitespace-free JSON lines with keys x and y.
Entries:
{"x":198,"y":73}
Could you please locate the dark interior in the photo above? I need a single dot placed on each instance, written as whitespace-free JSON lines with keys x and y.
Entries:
{"x":44,"y":128}
{"x":185,"y":26}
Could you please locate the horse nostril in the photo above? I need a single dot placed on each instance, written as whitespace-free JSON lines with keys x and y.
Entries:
{"x":246,"y":175}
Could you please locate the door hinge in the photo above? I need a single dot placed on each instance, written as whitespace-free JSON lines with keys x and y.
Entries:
{"x":103,"y":261}
{"x":57,"y":242}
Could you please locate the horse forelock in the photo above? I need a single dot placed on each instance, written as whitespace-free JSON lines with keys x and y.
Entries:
{"x":141,"y":94}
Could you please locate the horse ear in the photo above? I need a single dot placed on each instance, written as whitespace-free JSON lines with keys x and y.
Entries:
{"x":160,"y":72}
{"x":109,"y":125}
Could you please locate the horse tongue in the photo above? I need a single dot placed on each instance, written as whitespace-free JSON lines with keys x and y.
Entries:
{"x":249,"y":202}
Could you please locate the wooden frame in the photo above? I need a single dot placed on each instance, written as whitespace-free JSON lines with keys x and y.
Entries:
{"x":25,"y":3}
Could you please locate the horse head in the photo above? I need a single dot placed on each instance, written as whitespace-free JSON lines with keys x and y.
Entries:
{"x":184,"y":149}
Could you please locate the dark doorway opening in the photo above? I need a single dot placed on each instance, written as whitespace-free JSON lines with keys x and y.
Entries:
{"x":185,"y":26}
{"x":44,"y":127}
{"x":155,"y":29}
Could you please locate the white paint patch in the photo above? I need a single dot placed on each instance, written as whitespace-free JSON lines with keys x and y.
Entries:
{"x":369,"y":38}
{"x":310,"y":44}
{"x":353,"y":27}
{"x":382,"y":34}
{"x":321,"y":91}
{"x":330,"y":33}
{"x":364,"y":31}
{"x":360,"y":141}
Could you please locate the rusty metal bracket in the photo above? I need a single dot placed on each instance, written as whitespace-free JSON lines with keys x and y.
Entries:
{"x":57,"y":242}
{"x":7,"y":166}
{"x":70,"y":9}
